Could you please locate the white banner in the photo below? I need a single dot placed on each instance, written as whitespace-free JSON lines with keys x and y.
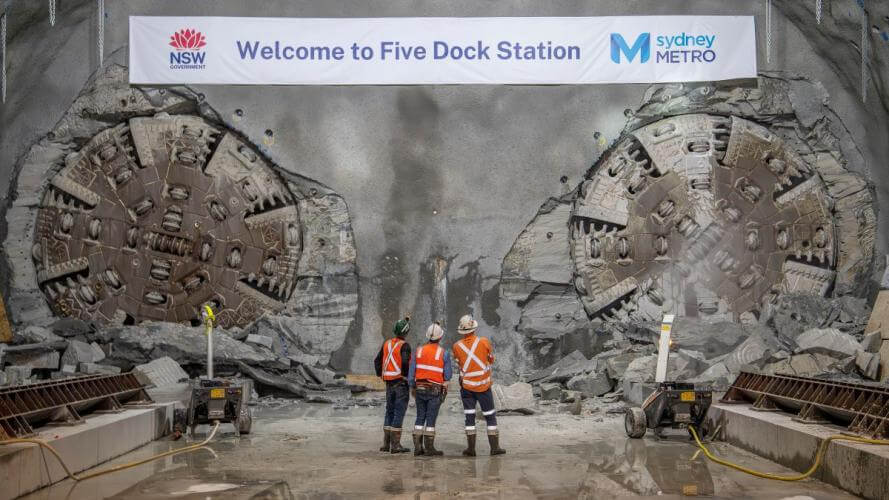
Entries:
{"x":428,"y":50}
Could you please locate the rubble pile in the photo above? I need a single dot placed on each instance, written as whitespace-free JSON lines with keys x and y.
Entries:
{"x":802,"y":335}
{"x":167,"y":353}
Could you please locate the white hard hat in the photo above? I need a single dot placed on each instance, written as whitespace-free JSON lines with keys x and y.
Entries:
{"x":467,"y":325}
{"x":434,"y":332}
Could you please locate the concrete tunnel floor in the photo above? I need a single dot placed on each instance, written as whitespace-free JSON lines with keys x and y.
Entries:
{"x":305,"y":450}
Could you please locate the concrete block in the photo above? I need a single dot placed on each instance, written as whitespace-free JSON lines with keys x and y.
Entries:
{"x":97,"y":369}
{"x":570,"y":396}
{"x":879,"y":316}
{"x":828,"y":341}
{"x":868,"y":364}
{"x":260,"y":340}
{"x":24,"y":468}
{"x":550,"y":391}
{"x":593,"y":384}
{"x":871,"y":342}
{"x":856,"y":468}
{"x":17,"y":375}
{"x":161,"y":372}
{"x":98,"y":353}
{"x":81,"y":352}
{"x":37,"y":360}
{"x":884,"y":360}
{"x":517,"y":396}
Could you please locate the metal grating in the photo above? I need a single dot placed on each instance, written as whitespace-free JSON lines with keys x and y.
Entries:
{"x":24,"y":407}
{"x":863,"y":408}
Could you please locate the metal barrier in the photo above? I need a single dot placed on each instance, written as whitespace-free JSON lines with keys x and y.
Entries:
{"x":24,"y":407}
{"x":863,"y":408}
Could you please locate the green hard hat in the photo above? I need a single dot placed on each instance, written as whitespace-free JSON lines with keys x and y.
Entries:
{"x":402,"y":326}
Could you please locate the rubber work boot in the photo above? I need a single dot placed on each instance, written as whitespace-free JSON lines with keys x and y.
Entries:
{"x":430,"y":447}
{"x":494,"y":441}
{"x":387,"y":439}
{"x":418,"y":445}
{"x":470,"y":446}
{"x":395,"y":445}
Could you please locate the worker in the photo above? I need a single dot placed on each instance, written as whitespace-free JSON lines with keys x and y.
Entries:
{"x":474,"y":356}
{"x":392,"y":364}
{"x":429,"y":373}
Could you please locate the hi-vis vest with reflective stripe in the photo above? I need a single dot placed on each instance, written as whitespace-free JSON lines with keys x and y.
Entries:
{"x":392,"y":359}
{"x":430,"y":364}
{"x":474,"y":357}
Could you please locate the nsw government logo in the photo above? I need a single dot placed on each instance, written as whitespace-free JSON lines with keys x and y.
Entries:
{"x":188,"y":43}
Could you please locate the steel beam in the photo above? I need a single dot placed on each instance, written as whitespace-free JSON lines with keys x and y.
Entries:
{"x":62,"y":402}
{"x":863,"y":408}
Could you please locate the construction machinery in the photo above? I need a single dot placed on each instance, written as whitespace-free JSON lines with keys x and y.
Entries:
{"x":676,"y":405}
{"x":216,"y":400}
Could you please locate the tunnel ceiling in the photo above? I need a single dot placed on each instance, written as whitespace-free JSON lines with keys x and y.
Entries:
{"x":156,"y":216}
{"x":703,"y":215}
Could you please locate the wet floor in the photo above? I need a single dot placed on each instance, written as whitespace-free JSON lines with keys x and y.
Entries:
{"x":316,"y":451}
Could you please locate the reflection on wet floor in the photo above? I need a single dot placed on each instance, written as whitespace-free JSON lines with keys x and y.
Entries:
{"x":549,"y":456}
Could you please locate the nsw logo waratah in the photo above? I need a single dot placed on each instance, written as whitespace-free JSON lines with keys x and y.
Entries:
{"x":189,"y":53}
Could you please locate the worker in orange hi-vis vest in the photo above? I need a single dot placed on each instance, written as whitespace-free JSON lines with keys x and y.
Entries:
{"x":429,"y":375}
{"x":474,"y":356}
{"x":392,"y":364}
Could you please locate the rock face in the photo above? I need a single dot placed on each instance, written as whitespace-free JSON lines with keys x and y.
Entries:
{"x":136,"y":345}
{"x":828,"y":341}
{"x":292,"y":253}
{"x":657,"y":227}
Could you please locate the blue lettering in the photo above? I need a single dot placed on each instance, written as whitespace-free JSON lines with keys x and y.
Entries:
{"x":248,"y":49}
{"x":641,"y":46}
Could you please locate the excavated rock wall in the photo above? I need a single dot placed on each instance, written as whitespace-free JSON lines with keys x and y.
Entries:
{"x":440,"y":181}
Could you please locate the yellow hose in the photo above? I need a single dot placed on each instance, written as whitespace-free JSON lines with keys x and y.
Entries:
{"x":818,"y":456}
{"x":116,"y":468}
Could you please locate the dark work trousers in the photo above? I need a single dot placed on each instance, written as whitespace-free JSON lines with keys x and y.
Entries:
{"x":397,"y":397}
{"x":428,"y":402}
{"x":486,"y":401}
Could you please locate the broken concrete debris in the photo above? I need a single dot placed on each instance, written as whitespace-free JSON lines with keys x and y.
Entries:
{"x":517,"y":397}
{"x":160,"y":373}
{"x":713,"y":353}
{"x":162,"y":355}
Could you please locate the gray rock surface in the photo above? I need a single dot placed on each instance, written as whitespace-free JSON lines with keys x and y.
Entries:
{"x":34,"y":334}
{"x":616,"y":366}
{"x":828,"y":341}
{"x":565,"y":368}
{"x":82,"y":352}
{"x":755,"y":351}
{"x":260,"y":340}
{"x":871,"y":342}
{"x":160,"y":373}
{"x":550,"y":390}
{"x":35,"y":359}
{"x":139,"y":344}
{"x":17,"y":375}
{"x":97,"y":369}
{"x":591,"y":385}
{"x":868,"y":364}
{"x":516,"y":397}
{"x":641,"y":369}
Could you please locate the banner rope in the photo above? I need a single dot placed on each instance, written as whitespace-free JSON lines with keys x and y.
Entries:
{"x":818,"y":11}
{"x":769,"y":32}
{"x":865,"y":38}
{"x":100,"y":30}
{"x":52,"y":12}
{"x":3,"y":57}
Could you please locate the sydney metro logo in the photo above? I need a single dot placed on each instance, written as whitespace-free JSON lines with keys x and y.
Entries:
{"x":188,"y":43}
